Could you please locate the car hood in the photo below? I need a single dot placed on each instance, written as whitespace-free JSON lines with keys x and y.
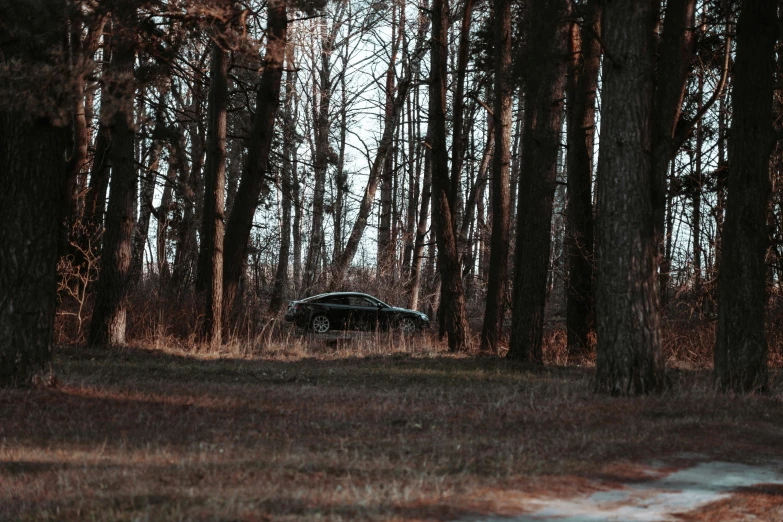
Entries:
{"x":407,"y":311}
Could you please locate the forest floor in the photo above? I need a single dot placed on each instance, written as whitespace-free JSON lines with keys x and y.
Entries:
{"x":298,"y":431}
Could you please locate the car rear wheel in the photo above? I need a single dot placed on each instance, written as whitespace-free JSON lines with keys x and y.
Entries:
{"x":321,"y":324}
{"x":407,"y":326}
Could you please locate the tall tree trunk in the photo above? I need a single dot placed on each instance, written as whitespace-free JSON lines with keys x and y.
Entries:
{"x":286,"y":174}
{"x":210,"y":263}
{"x":455,"y":316}
{"x":414,"y":176}
{"x":95,"y":202}
{"x":148,"y":182}
{"x":321,"y":161}
{"x":544,"y":88}
{"x":676,"y":54}
{"x":32,"y":169}
{"x":385,"y":244}
{"x":109,"y":314}
{"x":629,"y":357}
{"x":340,"y":176}
{"x":498,"y":277}
{"x":421,"y":227}
{"x":458,"y":109}
{"x":186,"y":254}
{"x":254,"y":178}
{"x":581,"y":92}
{"x":741,"y":345}
{"x":298,"y":202}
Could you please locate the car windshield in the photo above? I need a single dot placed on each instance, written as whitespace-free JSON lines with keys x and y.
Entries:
{"x":377,"y":301}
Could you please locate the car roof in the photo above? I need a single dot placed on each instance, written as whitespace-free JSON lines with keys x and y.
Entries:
{"x":319,"y":296}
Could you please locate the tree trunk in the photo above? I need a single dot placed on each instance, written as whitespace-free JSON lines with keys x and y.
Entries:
{"x":95,"y":201}
{"x":254,"y":174}
{"x":674,"y":65}
{"x":498,"y":254}
{"x":458,"y":109}
{"x":32,"y":168}
{"x":741,"y":345}
{"x":322,"y":152}
{"x":421,"y":227}
{"x":385,"y":244}
{"x":455,"y":316}
{"x":210,"y":265}
{"x":629,"y":357}
{"x":581,"y":92}
{"x":286,"y":174}
{"x":109,"y":314}
{"x":544,"y":87}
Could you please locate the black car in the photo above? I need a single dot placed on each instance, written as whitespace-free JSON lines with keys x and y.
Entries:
{"x":352,"y":311}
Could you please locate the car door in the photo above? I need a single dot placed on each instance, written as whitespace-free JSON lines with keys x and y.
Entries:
{"x":336,"y":310}
{"x":364,"y":312}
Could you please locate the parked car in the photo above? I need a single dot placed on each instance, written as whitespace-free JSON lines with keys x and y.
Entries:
{"x":352,"y":311}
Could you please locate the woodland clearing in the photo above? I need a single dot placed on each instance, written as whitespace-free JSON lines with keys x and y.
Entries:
{"x":367,"y":430}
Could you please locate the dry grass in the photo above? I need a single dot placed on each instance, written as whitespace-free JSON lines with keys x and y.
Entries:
{"x":365,"y":430}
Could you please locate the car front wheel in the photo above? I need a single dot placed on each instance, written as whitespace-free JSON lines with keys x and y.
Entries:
{"x":407,"y":326}
{"x":321,"y":324}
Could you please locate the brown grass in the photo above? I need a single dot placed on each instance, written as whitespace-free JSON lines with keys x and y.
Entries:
{"x":362,"y":430}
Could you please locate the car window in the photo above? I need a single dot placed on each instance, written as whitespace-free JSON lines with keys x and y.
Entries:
{"x":356,"y":300}
{"x":333,"y":299}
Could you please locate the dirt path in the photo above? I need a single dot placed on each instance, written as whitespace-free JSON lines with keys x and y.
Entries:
{"x":692,"y":489}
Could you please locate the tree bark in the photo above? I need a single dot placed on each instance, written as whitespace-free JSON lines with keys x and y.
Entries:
{"x":322,"y":151}
{"x":455,"y":316}
{"x":544,"y":89}
{"x":386,"y":247}
{"x":32,"y":168}
{"x":254,"y":175}
{"x":498,"y":277}
{"x":581,"y":92}
{"x":210,"y":266}
{"x":95,"y":201}
{"x":109,"y":314}
{"x":741,"y":345}
{"x":421,"y":226}
{"x":458,"y":109}
{"x":674,"y":65}
{"x":286,"y":174}
{"x":629,"y":357}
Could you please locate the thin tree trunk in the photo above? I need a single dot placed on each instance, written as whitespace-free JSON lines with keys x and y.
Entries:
{"x":286,"y":174}
{"x":741,"y":345}
{"x":455,"y":316}
{"x":95,"y":203}
{"x":210,"y":266}
{"x":297,"y":228}
{"x":581,"y":93}
{"x":421,"y":227}
{"x":322,"y":152}
{"x":544,"y":88}
{"x":254,"y":179}
{"x":674,"y":65}
{"x":498,"y":277}
{"x":414,"y":175}
{"x":109,"y":314}
{"x":458,"y":109}
{"x":385,"y":245}
{"x":629,"y":357}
